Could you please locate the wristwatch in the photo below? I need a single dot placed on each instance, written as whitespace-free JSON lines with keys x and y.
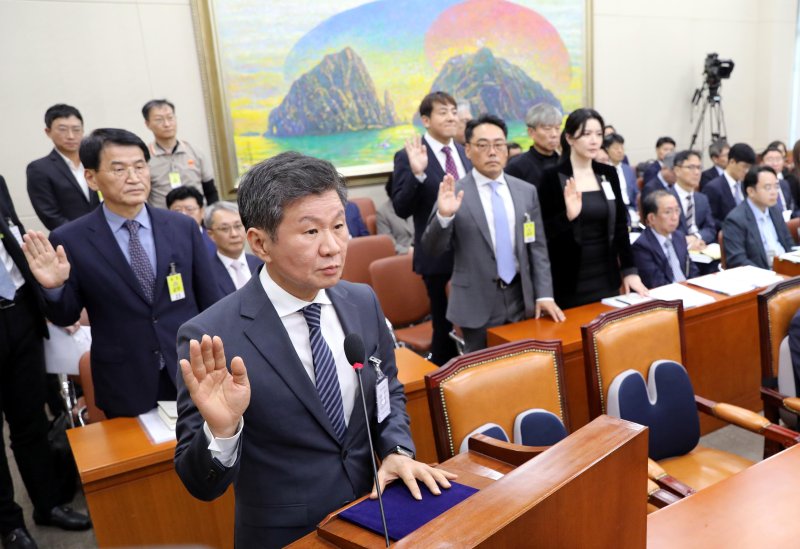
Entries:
{"x":403,"y":452}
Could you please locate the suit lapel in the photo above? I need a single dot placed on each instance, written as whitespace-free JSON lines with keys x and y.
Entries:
{"x":611,"y":205}
{"x":464,"y":160}
{"x":163,"y":238}
{"x":434,"y":170}
{"x":753,"y":222}
{"x":663,"y":262}
{"x":519,"y":220}
{"x":472,"y":202}
{"x":62,"y":167}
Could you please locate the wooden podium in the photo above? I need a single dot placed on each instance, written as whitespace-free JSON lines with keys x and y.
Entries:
{"x":589,"y":490}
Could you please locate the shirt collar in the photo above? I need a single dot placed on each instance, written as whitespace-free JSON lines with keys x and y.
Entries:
{"x":227,"y":261}
{"x":663,"y":181}
{"x":681,"y":192}
{"x":729,"y":179}
{"x":437,"y":147}
{"x":117,"y":221}
{"x":285,"y":303}
{"x":757,"y":211}
{"x":481,"y":179}
{"x":70,"y":165}
{"x":661,"y":238}
{"x":158,"y":150}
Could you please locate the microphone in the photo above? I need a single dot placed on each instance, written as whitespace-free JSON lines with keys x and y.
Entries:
{"x":355,"y":353}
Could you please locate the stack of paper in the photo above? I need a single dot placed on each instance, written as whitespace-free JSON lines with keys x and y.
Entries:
{"x":690,"y":298}
{"x":736,"y":281}
{"x":624,"y":300}
{"x":155,"y":428}
{"x":168,"y":412}
{"x":794,"y":257}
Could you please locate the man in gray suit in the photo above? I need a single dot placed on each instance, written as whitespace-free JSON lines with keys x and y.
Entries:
{"x":501,"y":270}
{"x":754,"y":231}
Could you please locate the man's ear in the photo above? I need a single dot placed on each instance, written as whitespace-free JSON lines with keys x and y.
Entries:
{"x":260,"y":243}
{"x":90,"y":179}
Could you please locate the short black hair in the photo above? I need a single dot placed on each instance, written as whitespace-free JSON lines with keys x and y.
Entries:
{"x":426,"y":106}
{"x":771,"y":148}
{"x":182,"y":193}
{"x":683,"y":156}
{"x":742,"y":152}
{"x":716,"y":148}
{"x":152,"y":104}
{"x":751,"y":178}
{"x":484,"y":119}
{"x":663,"y":140}
{"x":650,"y":201}
{"x":95,"y":142}
{"x":513,"y":145}
{"x":575,"y":124}
{"x":271,"y":185}
{"x":612,"y":138}
{"x":60,"y":111}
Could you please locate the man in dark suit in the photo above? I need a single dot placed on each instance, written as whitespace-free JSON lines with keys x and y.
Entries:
{"x":140,"y":272}
{"x":502,"y":269}
{"x":189,"y":201}
{"x":22,"y":370}
{"x":718,"y":152}
{"x":664,"y":146}
{"x":614,"y":145}
{"x":418,"y":170}
{"x":696,"y":221}
{"x":725,"y":192}
{"x":297,"y":449}
{"x":355,"y":223}
{"x":56,"y":183}
{"x":660,"y":253}
{"x":232,"y":266}
{"x":754,"y":232}
{"x":773,"y":157}
{"x":664,"y":178}
{"x":544,"y":128}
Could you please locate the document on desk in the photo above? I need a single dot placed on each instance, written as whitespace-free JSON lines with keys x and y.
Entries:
{"x":623,"y":300}
{"x":690,"y":298}
{"x":736,"y":281}
{"x":793,"y":257}
{"x":155,"y":428}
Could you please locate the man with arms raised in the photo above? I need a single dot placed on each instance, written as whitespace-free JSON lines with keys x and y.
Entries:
{"x":544,"y":127}
{"x":285,"y":425}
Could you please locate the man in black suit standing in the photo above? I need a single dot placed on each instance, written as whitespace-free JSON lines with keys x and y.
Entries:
{"x":419,"y":168}
{"x":718,"y":152}
{"x":22,"y":327}
{"x":232,"y":266}
{"x":56,"y":184}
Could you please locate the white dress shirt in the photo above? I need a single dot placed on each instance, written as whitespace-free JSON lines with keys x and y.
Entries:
{"x":78,"y":173}
{"x":241,"y":263}
{"x":437,"y":147}
{"x":769,"y":235}
{"x":289,"y":308}
{"x":9,"y":265}
{"x":735,"y":187}
{"x":683,"y":196}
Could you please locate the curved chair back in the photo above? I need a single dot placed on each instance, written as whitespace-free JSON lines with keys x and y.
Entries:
{"x":366,"y":207}
{"x":494,"y":385}
{"x":793,"y":225}
{"x":722,"y":261}
{"x":776,"y":307}
{"x":361,"y":252}
{"x":401,"y":292}
{"x":630,"y":338}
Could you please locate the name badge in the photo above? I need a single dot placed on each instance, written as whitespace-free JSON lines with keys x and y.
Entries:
{"x":174,"y":179}
{"x":175,"y":284}
{"x":15,"y":231}
{"x":383,"y":405}
{"x":607,"y":190}
{"x":529,"y":230}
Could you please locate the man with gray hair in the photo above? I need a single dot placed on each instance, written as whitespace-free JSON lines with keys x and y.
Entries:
{"x":544,"y":127}
{"x":664,"y":179}
{"x":298,"y":448}
{"x":718,"y":152}
{"x":231,"y":265}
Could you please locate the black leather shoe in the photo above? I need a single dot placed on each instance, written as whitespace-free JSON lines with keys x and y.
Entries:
{"x":63,"y":517}
{"x":19,"y":538}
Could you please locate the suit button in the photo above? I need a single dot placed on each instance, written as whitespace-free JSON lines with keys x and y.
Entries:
{"x":211,"y":475}
{"x":155,"y":320}
{"x":344,"y":455}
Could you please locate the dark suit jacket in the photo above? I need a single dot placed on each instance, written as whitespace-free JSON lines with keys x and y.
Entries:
{"x":705,"y":222}
{"x":410,"y":197}
{"x":742,"y":239}
{"x":630,"y":184}
{"x":655,"y":184}
{"x":651,"y":261}
{"x":14,"y":250}
{"x":222,"y":276}
{"x":720,"y":199}
{"x":708,"y":175}
{"x":129,"y":335}
{"x":54,"y":192}
{"x":563,"y":236}
{"x":790,"y":204}
{"x":291,"y":471}
{"x":529,"y":166}
{"x":651,"y":171}
{"x":355,"y":224}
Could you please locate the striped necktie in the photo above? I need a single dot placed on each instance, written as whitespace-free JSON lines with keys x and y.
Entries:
{"x":450,"y":163}
{"x":139,"y":262}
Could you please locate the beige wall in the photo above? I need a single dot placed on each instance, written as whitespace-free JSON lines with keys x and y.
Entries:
{"x":108,"y":57}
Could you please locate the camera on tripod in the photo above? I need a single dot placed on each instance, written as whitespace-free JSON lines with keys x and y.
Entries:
{"x":716,"y":70}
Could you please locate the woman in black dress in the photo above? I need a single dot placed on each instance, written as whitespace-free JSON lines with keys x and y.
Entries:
{"x":585,"y":219}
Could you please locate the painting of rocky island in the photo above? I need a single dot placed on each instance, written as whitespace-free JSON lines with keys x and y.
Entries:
{"x":343,"y":81}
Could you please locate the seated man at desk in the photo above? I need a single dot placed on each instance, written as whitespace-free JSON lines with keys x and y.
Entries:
{"x":754,"y":231}
{"x":660,"y":253}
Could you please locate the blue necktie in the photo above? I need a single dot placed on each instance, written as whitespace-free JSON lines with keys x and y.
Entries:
{"x":7,"y":287}
{"x":325,"y":371}
{"x":672,"y":259}
{"x":503,"y":250}
{"x":139,"y":262}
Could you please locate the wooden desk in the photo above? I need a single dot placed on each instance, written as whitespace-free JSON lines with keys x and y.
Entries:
{"x":754,"y":508}
{"x":411,"y":370}
{"x":722,"y":351}
{"x":786,"y":268}
{"x":134,"y":495}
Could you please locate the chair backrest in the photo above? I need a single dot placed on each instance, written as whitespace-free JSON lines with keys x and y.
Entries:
{"x":494,"y":385}
{"x":94,"y":413}
{"x":401,"y":292}
{"x":776,"y":307}
{"x":371,"y":222}
{"x":793,"y":225}
{"x":631,"y":338}
{"x":361,"y":252}
{"x":366,"y":207}
{"x":721,"y":241}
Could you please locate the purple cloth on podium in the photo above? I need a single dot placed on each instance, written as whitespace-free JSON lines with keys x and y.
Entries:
{"x":404,"y":514}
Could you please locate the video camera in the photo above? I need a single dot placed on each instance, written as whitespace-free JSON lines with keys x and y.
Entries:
{"x":716,"y":70}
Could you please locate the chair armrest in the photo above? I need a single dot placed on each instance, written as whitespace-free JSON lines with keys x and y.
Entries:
{"x":507,"y":452}
{"x":749,"y":420}
{"x":658,"y":497}
{"x":663,"y":479}
{"x":792,"y":404}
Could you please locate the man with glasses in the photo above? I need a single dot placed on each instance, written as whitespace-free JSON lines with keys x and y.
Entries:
{"x":501,"y":270}
{"x":696,"y":221}
{"x":140,"y":272}
{"x":56,"y":184}
{"x":189,"y":201}
{"x":544,"y":128}
{"x":174,"y":162}
{"x":231,"y":265}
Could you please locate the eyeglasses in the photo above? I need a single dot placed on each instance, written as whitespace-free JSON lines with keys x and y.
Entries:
{"x":769,"y":187}
{"x":161,"y":120}
{"x":226,"y":229}
{"x":67,"y":130}
{"x":121,"y":173}
{"x":184,"y":209}
{"x":693,"y":167}
{"x":485,"y":146}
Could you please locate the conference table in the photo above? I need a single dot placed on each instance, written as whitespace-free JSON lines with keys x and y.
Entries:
{"x":722,"y":351}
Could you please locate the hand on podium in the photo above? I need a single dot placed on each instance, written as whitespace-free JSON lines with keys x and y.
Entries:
{"x":220,"y":395}
{"x":396,"y":466}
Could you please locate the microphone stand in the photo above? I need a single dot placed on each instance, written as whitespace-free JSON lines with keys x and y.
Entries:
{"x":358,"y":366}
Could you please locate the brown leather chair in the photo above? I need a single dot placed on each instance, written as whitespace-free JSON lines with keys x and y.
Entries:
{"x":793,"y":225}
{"x":371,"y":222}
{"x":92,"y":414}
{"x":361,"y":252}
{"x":366,"y":207}
{"x":494,"y":385}
{"x":777,"y":306}
{"x":722,"y":262}
{"x":404,"y":300}
{"x":634,"y":338}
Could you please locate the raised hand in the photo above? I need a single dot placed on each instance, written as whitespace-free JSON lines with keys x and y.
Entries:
{"x":572,"y":199}
{"x":417,"y":155}
{"x":220,"y":396}
{"x":449,"y":202}
{"x":49,"y":266}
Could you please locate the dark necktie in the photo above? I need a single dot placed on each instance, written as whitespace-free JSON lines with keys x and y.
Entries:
{"x":689,"y":212}
{"x":139,"y":262}
{"x":450,"y":163}
{"x":325,"y":371}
